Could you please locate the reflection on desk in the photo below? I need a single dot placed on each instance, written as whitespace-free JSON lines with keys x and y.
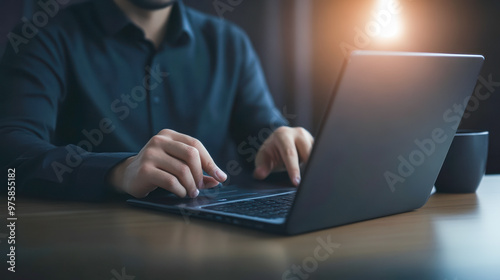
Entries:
{"x":454,"y":236}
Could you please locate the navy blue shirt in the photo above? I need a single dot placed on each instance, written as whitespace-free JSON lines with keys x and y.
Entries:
{"x":89,"y":90}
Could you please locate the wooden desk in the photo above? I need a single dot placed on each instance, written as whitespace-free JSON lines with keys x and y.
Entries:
{"x":453,"y":237}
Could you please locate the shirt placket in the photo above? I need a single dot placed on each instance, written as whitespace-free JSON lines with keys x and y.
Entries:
{"x":155,"y":83}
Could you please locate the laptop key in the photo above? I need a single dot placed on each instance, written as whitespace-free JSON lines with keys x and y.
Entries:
{"x":269,"y":207}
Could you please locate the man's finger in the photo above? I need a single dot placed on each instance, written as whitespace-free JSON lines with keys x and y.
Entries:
{"x":207,"y":162}
{"x":181,"y":171}
{"x":189,"y":156}
{"x":304,"y":147}
{"x":209,"y":182}
{"x":264,"y":163}
{"x":290,"y":158}
{"x":166,"y":181}
{"x":263,"y":170}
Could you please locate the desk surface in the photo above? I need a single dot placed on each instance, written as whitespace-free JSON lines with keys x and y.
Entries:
{"x":453,"y":237}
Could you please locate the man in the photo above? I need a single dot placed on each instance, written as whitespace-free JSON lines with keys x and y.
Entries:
{"x":131,"y":95}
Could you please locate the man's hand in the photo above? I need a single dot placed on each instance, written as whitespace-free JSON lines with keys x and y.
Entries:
{"x":285,"y":148}
{"x":170,"y":160}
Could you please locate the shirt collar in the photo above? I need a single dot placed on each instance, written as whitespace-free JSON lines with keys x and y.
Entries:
{"x":179,"y":24}
{"x":113,"y":20}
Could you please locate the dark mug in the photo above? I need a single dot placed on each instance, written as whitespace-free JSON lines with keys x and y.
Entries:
{"x":465,"y":164}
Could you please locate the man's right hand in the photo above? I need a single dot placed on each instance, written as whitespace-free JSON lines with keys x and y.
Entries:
{"x":170,"y":160}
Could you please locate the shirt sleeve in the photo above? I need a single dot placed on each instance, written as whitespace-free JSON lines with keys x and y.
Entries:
{"x":32,"y":87}
{"x":254,"y":113}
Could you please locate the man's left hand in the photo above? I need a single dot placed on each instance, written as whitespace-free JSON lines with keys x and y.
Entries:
{"x":286,"y":148}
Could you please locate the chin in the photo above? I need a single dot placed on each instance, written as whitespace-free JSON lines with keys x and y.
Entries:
{"x":152,"y":4}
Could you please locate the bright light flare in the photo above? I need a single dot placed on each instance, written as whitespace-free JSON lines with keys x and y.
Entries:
{"x":386,"y":19}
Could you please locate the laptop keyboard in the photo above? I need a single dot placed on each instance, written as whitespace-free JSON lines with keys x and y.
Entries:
{"x":268,"y":208}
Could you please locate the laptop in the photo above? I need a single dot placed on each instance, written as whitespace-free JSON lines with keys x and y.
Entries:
{"x":385,"y":134}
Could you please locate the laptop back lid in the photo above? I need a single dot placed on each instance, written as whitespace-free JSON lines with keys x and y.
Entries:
{"x":384,"y":137}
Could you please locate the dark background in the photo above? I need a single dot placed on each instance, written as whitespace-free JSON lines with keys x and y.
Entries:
{"x":299,"y":42}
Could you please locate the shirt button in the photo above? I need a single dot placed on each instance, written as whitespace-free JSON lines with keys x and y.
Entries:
{"x":156,"y":99}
